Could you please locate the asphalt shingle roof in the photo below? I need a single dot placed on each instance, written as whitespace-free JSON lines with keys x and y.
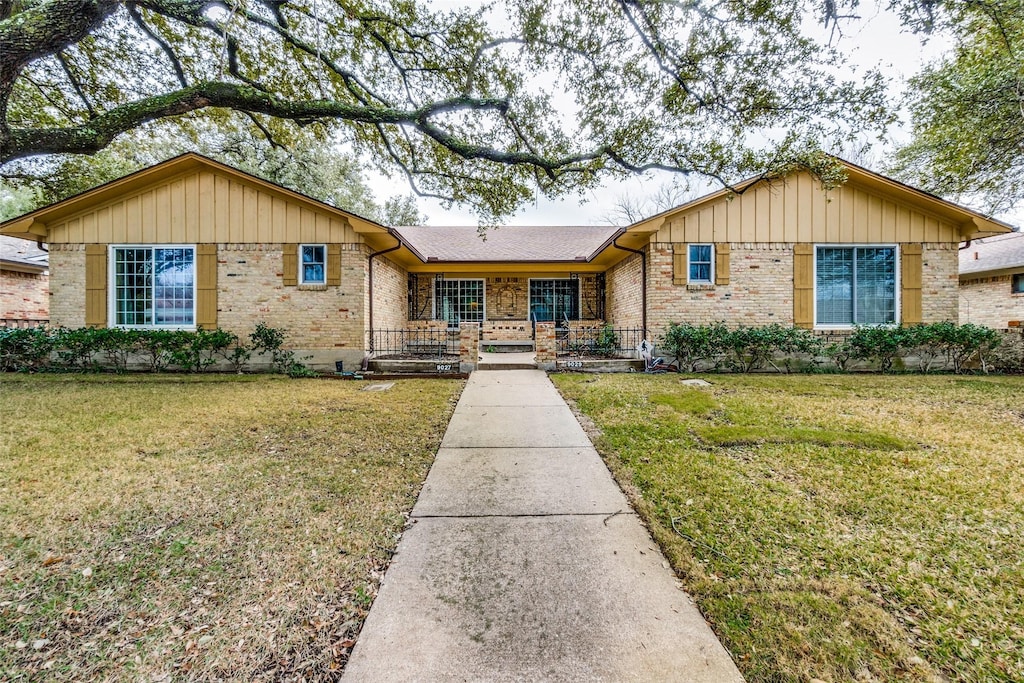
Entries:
{"x":16,"y":250}
{"x":993,"y":253}
{"x":507,"y":242}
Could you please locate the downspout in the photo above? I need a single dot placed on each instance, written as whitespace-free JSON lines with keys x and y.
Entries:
{"x":369,"y":309}
{"x":643,"y":277}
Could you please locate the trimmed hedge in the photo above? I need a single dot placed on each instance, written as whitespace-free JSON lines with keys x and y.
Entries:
{"x":935,"y":346}
{"x":94,"y":349}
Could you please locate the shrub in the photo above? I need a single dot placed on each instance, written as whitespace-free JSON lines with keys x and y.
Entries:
{"x":881,"y":344}
{"x":693,"y":345}
{"x":26,"y":348}
{"x":606,"y":342}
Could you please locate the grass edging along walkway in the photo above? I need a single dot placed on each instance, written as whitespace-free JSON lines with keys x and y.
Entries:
{"x":201,"y":527}
{"x":833,"y":527}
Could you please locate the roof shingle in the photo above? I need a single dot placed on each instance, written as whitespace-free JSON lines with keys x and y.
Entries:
{"x":507,"y":242}
{"x":993,"y":253}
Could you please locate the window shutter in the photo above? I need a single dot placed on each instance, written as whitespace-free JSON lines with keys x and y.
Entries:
{"x":96,"y":285}
{"x":679,"y":264}
{"x":290,"y":264}
{"x":722,"y":263}
{"x":910,"y":279}
{"x":206,"y":286}
{"x":333,"y":265}
{"x":803,"y":285}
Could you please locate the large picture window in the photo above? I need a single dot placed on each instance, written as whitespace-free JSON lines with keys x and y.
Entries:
{"x":154,"y":286}
{"x":855,"y":285}
{"x":459,"y":301}
{"x":554,"y":300}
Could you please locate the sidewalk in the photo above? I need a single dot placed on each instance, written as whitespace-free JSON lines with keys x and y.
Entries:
{"x":525,"y":562}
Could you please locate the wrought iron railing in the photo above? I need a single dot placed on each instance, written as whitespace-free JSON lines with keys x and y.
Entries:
{"x":414,"y":343}
{"x":610,"y":342}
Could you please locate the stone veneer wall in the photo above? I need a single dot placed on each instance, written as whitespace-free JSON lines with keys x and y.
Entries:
{"x":24,"y":296}
{"x":989,"y":301}
{"x":67,"y":285}
{"x":623,"y":291}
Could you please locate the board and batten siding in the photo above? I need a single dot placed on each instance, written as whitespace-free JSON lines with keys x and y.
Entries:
{"x":202,"y":207}
{"x":797,"y":210}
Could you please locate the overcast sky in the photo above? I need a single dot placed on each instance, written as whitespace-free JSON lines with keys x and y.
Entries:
{"x":877,"y":39}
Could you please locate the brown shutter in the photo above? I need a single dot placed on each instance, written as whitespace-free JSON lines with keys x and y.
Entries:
{"x":96,"y":285}
{"x":910,"y":278}
{"x":290,"y":264}
{"x":722,"y":263}
{"x":803,"y":285}
{"x":679,"y":264}
{"x":333,"y":265}
{"x":206,"y":286}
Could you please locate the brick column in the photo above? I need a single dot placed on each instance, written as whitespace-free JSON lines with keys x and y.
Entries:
{"x":469,"y":346}
{"x":544,"y":343}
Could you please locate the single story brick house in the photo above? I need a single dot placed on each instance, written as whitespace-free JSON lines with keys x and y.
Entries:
{"x":193,"y":243}
{"x":24,"y":283}
{"x":992,"y":281}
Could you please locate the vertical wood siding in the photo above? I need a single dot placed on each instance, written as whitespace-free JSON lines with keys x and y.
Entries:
{"x":797,"y":210}
{"x":202,"y":207}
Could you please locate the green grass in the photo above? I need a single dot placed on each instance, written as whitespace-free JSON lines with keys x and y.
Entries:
{"x":833,"y":527}
{"x":201,"y":527}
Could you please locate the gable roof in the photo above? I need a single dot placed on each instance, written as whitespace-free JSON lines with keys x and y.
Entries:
{"x":507,"y":243}
{"x":1002,"y":252}
{"x":32,"y":225}
{"x":22,"y":255}
{"x":971,"y":224}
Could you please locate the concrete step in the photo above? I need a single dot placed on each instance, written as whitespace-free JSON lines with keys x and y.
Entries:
{"x":506,"y":366}
{"x":506,"y":346}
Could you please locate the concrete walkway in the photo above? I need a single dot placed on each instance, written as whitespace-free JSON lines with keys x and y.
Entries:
{"x":525,"y":562}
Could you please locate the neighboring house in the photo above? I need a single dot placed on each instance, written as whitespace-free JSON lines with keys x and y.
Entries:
{"x":992,"y":281}
{"x":24,"y":283}
{"x":191,"y":242}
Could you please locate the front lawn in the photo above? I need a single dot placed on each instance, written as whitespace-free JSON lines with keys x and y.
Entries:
{"x":833,"y":527}
{"x":159,"y":527}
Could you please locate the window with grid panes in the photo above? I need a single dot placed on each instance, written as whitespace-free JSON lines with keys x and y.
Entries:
{"x":154,"y":286}
{"x":700,"y":263}
{"x":554,"y":300}
{"x":459,"y":301}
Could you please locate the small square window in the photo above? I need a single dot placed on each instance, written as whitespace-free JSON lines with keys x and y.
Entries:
{"x":700,"y":263}
{"x":313,"y":264}
{"x":1017,"y":284}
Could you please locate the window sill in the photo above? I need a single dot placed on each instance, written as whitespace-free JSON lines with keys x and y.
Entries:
{"x":313,"y":288}
{"x":700,"y":287}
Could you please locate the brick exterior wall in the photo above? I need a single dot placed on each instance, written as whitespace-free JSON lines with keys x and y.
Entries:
{"x":546,"y":345}
{"x":760,"y":289}
{"x":390,"y":295}
{"x":325,"y":322}
{"x":507,"y":297}
{"x":940,"y":295}
{"x":624,"y":293}
{"x":989,"y":301}
{"x":67,"y":285}
{"x":469,"y":346}
{"x":24,"y":296}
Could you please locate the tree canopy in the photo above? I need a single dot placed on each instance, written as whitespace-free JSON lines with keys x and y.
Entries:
{"x":968,"y":108}
{"x":485,"y":106}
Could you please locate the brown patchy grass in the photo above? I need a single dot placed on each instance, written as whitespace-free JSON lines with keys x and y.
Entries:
{"x":158,"y":527}
{"x":833,"y":527}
